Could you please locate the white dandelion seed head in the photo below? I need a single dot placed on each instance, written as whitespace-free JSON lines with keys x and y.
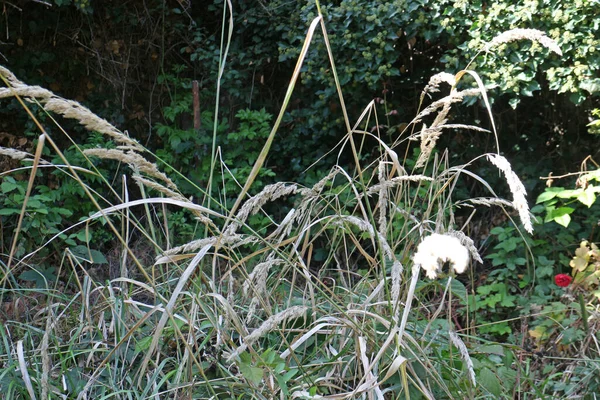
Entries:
{"x":437,"y":249}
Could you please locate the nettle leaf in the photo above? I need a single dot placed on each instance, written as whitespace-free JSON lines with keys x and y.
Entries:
{"x":459,"y":290}
{"x":253,"y":374}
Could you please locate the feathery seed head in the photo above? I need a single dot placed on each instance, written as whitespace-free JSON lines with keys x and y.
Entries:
{"x":437,"y":249}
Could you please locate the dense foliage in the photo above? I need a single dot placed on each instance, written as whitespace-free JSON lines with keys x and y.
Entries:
{"x":531,"y":303}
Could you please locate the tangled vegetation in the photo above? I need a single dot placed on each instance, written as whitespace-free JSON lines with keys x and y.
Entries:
{"x":321,"y":250}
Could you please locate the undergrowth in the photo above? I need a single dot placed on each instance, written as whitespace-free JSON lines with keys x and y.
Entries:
{"x":291,"y":292}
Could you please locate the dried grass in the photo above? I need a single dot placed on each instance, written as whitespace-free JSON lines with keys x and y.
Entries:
{"x":232,"y":241}
{"x":254,"y":204}
{"x":14,"y":154}
{"x":517,"y":189}
{"x":271,"y":323}
{"x":67,"y":108}
{"x":366,"y":227}
{"x":137,"y":162}
{"x":524,"y":34}
{"x":464,"y":354}
{"x":436,"y":80}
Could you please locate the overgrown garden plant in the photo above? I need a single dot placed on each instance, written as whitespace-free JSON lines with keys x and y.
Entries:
{"x":324,"y":300}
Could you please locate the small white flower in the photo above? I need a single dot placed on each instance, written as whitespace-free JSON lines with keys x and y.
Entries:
{"x":435,"y":250}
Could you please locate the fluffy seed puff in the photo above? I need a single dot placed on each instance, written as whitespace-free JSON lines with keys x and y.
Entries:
{"x":435,"y":250}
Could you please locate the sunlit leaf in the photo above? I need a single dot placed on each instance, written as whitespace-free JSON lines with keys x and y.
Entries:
{"x":587,"y":197}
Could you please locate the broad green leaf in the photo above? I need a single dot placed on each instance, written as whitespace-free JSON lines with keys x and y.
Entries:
{"x":561,"y":215}
{"x":98,"y":258}
{"x":490,"y":381}
{"x":563,"y":220}
{"x":587,"y":197}
{"x":89,"y":255}
{"x":490,"y":349}
{"x":547,"y":195}
{"x":458,"y":289}
{"x":8,"y":187}
{"x":567,"y":194}
{"x":253,"y":374}
{"x":9,"y":211}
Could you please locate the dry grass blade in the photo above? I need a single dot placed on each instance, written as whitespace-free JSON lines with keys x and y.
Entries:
{"x":168,"y":313}
{"x":24,"y":371}
{"x":330,"y":322}
{"x":265,"y":150}
{"x":44,"y":350}
{"x":14,"y":154}
{"x":267,"y":326}
{"x":153,"y":200}
{"x":370,"y":383}
{"x":483,"y":92}
{"x":36,"y":162}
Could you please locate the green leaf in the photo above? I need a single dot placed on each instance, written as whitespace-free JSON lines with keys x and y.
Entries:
{"x":8,"y":187}
{"x":561,"y":215}
{"x":88,"y":255}
{"x":489,"y":381}
{"x":592,"y":86}
{"x":567,"y":194}
{"x":9,"y":211}
{"x":563,"y":220}
{"x":41,"y":277}
{"x":490,"y":349}
{"x":458,"y":289}
{"x":547,"y":195}
{"x":143,"y":344}
{"x":253,"y":374}
{"x":587,"y":197}
{"x":497,"y":230}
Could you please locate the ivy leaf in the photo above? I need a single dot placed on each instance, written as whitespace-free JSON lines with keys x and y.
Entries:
{"x":591,"y":85}
{"x":566,"y":194}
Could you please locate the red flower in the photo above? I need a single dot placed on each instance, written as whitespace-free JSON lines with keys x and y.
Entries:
{"x":562,"y":280}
